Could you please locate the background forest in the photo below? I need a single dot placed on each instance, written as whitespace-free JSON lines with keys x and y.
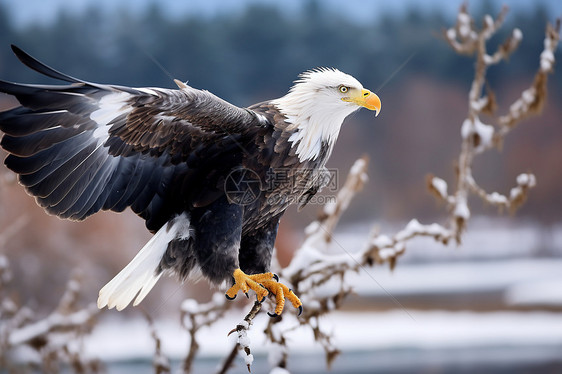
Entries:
{"x":255,"y":53}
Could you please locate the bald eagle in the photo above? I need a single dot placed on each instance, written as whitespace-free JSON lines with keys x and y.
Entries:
{"x":196,"y":168}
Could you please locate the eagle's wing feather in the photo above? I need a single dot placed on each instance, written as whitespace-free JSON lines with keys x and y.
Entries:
{"x":39,"y":67}
{"x":83,"y":147}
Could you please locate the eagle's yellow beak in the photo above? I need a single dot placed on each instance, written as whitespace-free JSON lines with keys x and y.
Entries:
{"x":366,"y":99}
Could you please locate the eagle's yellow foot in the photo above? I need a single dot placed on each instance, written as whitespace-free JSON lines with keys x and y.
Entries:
{"x":245,"y":282}
{"x":262,"y":284}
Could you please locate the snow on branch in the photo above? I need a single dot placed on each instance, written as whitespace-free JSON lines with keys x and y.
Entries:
{"x":532,"y":99}
{"x":243,"y":341}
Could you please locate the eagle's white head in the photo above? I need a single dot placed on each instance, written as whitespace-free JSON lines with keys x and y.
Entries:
{"x":317,"y":105}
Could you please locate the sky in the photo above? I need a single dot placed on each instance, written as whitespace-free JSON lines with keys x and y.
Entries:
{"x":25,"y":12}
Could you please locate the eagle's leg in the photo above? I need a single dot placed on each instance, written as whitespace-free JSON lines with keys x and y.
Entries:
{"x":263,"y":284}
{"x":256,"y":250}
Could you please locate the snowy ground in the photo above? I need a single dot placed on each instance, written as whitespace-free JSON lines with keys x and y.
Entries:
{"x":516,"y":282}
{"x":399,"y":339}
{"x":485,"y":239}
{"x":129,"y":340}
{"x":439,"y":338}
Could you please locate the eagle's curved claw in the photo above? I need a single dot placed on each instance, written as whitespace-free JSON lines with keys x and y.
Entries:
{"x":276,"y":277}
{"x":230,"y":298}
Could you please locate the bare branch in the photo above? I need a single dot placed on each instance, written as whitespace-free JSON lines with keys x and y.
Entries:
{"x":331,"y":213}
{"x":194,"y":316}
{"x":21,"y":328}
{"x":160,"y":362}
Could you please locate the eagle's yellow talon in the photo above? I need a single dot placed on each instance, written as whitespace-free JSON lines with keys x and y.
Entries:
{"x":245,"y":282}
{"x":294,"y":300}
{"x":262,"y":285}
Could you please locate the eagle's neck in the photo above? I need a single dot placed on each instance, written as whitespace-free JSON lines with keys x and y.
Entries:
{"x":313,"y":126}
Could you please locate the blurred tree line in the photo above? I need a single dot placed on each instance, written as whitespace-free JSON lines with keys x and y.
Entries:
{"x":254,"y":54}
{"x":258,"y":51}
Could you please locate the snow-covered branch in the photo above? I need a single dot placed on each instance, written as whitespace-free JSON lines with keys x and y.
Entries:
{"x":160,"y":362}
{"x":532,"y":99}
{"x":477,"y":136}
{"x":47,"y":342}
{"x":42,"y":343}
{"x":194,"y":316}
{"x":243,"y":341}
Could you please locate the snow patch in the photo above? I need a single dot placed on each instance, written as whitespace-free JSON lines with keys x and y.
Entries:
{"x":528,"y":96}
{"x":190,"y":306}
{"x":547,"y":60}
{"x":451,"y":34}
{"x":542,"y":292}
{"x":464,"y":25}
{"x":517,"y":34}
{"x":440,"y":186}
{"x":497,"y":198}
{"x":353,"y":330}
{"x":526,"y":179}
{"x":461,"y":278}
{"x":461,"y":209}
{"x":279,"y":370}
{"x":330,"y":208}
{"x":276,"y":354}
{"x":382,"y":241}
{"x":485,"y":132}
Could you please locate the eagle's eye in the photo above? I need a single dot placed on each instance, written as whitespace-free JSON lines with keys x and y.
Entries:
{"x":344,"y":89}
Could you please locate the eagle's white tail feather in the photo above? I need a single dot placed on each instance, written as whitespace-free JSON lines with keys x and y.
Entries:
{"x":139,"y":276}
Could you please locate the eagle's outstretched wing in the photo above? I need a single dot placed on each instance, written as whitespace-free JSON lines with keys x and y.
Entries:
{"x":82,"y":147}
